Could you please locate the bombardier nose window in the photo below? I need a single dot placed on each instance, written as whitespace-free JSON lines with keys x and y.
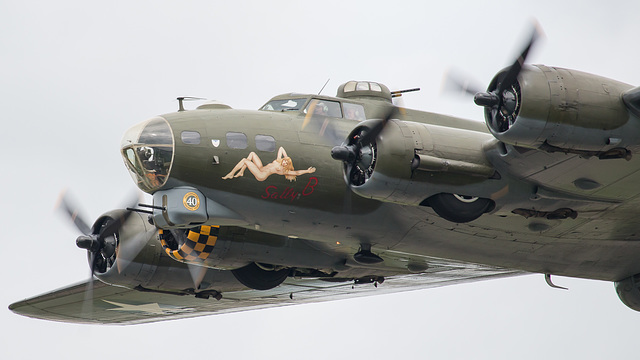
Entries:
{"x":147,"y":150}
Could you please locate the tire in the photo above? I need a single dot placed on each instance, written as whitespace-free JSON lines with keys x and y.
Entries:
{"x":256,"y":278}
{"x":459,"y":209}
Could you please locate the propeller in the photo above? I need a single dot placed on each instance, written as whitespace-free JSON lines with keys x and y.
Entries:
{"x":454,"y":82}
{"x":197,"y":273}
{"x":101,"y":241}
{"x":127,"y":251}
{"x":92,"y":239}
{"x":359,"y":151}
{"x":64,"y":204}
{"x":501,"y":100}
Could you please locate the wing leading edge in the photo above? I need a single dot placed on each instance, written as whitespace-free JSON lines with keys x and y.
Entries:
{"x":122,"y":306}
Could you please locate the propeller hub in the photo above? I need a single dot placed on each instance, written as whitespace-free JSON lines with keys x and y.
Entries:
{"x":486,"y":99}
{"x":358,"y":154}
{"x":345,"y":153}
{"x":502,"y":99}
{"x":88,"y":242}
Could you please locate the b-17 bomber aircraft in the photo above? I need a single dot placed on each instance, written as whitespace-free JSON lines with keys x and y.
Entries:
{"x":314,"y":198}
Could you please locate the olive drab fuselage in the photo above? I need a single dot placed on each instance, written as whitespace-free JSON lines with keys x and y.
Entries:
{"x":418,"y":156}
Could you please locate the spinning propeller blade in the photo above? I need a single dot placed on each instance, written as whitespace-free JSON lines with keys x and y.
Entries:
{"x":495,"y":98}
{"x":453,"y":82}
{"x":101,"y":241}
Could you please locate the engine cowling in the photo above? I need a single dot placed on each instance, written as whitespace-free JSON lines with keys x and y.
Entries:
{"x":559,"y":109}
{"x":413,"y":163}
{"x":139,"y":264}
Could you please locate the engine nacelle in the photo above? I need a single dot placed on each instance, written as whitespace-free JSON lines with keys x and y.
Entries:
{"x":406,"y":151}
{"x":415,"y":163}
{"x":165,"y":260}
{"x":139,"y":264}
{"x":559,"y":109}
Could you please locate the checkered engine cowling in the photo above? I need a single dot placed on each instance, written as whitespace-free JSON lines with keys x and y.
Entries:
{"x":195,"y":244}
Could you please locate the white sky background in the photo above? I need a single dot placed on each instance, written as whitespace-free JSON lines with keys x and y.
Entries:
{"x":74,"y":75}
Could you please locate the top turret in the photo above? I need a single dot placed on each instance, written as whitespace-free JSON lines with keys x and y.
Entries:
{"x":364,"y":90}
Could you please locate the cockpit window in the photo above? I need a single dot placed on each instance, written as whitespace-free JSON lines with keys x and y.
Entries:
{"x":324,"y":108}
{"x":353,"y":111}
{"x":147,"y":150}
{"x":284,"y":105}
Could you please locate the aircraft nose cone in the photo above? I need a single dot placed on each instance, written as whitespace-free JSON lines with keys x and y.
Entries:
{"x":147,"y":150}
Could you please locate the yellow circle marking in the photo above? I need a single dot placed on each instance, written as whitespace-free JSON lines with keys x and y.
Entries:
{"x":191,"y":201}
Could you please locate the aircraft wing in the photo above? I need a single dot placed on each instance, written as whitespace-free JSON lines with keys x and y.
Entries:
{"x":123,"y":306}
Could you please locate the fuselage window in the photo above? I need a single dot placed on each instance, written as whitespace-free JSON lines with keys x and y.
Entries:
{"x":236,"y":140}
{"x":353,"y":111}
{"x":324,"y":108}
{"x":190,"y":137}
{"x":265,"y":143}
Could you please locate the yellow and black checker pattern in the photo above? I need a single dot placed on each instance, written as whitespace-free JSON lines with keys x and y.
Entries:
{"x":198,"y":244}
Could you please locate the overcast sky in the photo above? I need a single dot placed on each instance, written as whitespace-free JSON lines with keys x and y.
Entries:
{"x":74,"y":75}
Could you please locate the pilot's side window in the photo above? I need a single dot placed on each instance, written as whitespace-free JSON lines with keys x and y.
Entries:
{"x":236,"y":140}
{"x":324,"y":108}
{"x":265,"y":143}
{"x":353,"y":111}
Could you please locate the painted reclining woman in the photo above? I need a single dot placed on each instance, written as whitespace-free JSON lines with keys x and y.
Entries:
{"x":282,"y":165}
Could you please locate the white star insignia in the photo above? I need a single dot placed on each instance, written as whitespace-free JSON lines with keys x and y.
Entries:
{"x":152,"y":308}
